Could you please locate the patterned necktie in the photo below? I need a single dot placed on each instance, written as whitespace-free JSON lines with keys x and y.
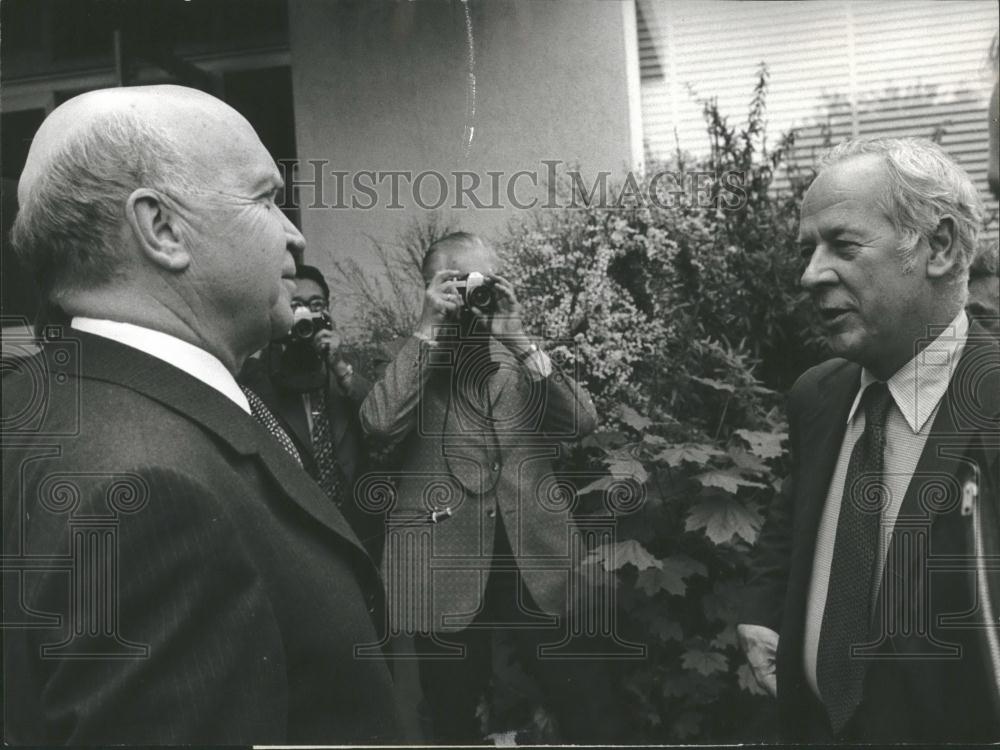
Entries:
{"x":329,"y":475}
{"x":847,"y":615}
{"x":270,"y":423}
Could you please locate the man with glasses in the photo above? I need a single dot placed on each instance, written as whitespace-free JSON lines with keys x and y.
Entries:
{"x":308,"y":384}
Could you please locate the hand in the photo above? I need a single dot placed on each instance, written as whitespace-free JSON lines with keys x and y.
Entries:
{"x":441,"y":302}
{"x":326,"y":344}
{"x":505,"y":322}
{"x":760,"y":644}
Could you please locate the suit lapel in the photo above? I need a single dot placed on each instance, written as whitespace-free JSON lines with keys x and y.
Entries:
{"x":957,"y":437}
{"x":822,"y":433}
{"x":109,"y":361}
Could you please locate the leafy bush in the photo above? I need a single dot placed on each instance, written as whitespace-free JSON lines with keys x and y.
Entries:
{"x":685,"y":323}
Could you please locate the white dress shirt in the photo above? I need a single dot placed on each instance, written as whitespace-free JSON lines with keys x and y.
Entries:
{"x":916,"y":389}
{"x":184,"y":356}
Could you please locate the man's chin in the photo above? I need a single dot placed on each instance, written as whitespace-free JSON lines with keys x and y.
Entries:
{"x":280,"y":327}
{"x":844,"y":344}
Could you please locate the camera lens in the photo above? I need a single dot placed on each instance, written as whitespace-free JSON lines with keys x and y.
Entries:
{"x":481,"y":297}
{"x":304,"y":328}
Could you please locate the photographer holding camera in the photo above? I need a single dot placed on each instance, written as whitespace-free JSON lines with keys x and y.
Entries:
{"x":474,"y":411}
{"x":312,"y":389}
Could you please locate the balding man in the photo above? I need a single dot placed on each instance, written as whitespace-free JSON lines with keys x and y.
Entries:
{"x":475,"y":410}
{"x":874,"y":607}
{"x":175,"y":577}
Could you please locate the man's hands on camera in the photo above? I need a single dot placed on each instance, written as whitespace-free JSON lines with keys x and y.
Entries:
{"x":326,"y":344}
{"x":441,"y":302}
{"x":505,"y":321}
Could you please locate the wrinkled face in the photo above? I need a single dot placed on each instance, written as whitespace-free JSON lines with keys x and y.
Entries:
{"x":983,"y":304}
{"x":242,"y":245}
{"x":866,"y":300}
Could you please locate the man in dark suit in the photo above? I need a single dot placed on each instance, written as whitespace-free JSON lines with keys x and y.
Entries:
{"x":474,"y":410}
{"x":307,"y":383}
{"x":873,"y":608}
{"x":172,"y":575}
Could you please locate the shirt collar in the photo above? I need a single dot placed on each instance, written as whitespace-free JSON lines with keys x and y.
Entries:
{"x":919,"y":385}
{"x":196,"y":362}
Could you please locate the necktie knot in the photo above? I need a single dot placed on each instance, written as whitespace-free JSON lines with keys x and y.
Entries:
{"x":877,"y":402}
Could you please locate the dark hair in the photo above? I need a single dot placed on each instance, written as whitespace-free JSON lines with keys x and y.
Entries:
{"x":448,"y":242}
{"x":312,"y":273}
{"x":986,"y":263}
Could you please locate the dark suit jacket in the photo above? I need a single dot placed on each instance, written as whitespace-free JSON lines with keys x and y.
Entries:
{"x":345,"y":427}
{"x":924,"y":686}
{"x":450,"y":456}
{"x":174,"y":576}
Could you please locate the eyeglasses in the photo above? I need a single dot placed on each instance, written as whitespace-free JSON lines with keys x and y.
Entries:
{"x":315,"y":304}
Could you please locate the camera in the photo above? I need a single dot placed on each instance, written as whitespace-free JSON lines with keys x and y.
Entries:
{"x":306,"y":324}
{"x":477,"y":291}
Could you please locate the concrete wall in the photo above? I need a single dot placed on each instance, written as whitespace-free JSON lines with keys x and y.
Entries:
{"x":384,"y":86}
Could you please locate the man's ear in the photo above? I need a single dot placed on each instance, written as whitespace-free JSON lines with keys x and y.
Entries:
{"x":942,"y":257}
{"x":154,"y":225}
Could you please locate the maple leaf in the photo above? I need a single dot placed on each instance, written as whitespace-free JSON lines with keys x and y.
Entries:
{"x":763,"y":444}
{"x":716,"y":384}
{"x":688,"y":724}
{"x":746,"y":680}
{"x":598,"y":485}
{"x":685,"y":566}
{"x":693,"y":453}
{"x":721,"y":516}
{"x":747,"y":462}
{"x":669,"y":575}
{"x":605,"y":440}
{"x":618,"y":555}
{"x":621,"y":466}
{"x":727,"y":480}
{"x":666,"y":630}
{"x":725,"y":639}
{"x":653,"y":580}
{"x":704,"y":662}
{"x":628,"y":468}
{"x":655,"y":441}
{"x":634,"y":419}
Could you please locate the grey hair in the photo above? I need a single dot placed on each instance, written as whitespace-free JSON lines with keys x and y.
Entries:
{"x":68,"y":228}
{"x":925,"y":185}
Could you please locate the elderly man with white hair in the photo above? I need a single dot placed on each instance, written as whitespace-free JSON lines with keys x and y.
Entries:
{"x":175,"y":577}
{"x":872,"y":613}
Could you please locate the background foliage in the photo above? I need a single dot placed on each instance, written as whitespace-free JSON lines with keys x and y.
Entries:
{"x":685,"y":323}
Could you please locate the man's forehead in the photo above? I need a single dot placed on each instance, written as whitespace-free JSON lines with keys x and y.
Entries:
{"x":846,"y":191}
{"x":307,"y":287}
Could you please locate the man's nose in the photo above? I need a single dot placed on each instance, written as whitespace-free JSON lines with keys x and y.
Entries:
{"x":294,"y":240}
{"x":818,"y":271}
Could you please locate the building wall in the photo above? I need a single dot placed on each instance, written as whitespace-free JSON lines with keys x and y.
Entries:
{"x":386,"y":86}
{"x":838,"y":68}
